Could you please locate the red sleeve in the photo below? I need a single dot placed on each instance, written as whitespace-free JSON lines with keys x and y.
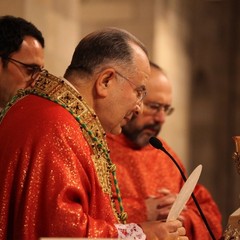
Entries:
{"x":193,"y":222}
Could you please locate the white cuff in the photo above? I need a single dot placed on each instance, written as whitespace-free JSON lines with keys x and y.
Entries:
{"x":131,"y":230}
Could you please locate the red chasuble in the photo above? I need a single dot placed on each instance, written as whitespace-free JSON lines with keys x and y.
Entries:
{"x":48,"y":182}
{"x":141,"y":173}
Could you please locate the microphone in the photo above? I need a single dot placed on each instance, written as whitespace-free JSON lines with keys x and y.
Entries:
{"x":156,"y":143}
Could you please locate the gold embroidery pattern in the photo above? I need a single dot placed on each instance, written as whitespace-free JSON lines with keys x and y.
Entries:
{"x":58,"y":91}
{"x":231,"y":233}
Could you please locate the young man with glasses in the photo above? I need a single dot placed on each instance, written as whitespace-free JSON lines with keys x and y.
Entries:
{"x":148,"y":179}
{"x":21,"y":56}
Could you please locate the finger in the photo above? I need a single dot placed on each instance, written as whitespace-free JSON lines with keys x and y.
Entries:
{"x":166,"y":200}
{"x":163,"y":212}
{"x":179,"y":234}
{"x":163,"y":191}
{"x":173,"y":226}
{"x":181,"y":231}
{"x":152,"y":196}
{"x":181,"y":218}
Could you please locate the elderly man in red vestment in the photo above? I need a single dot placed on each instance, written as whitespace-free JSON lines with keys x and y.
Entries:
{"x":55,"y":171}
{"x":148,"y":179}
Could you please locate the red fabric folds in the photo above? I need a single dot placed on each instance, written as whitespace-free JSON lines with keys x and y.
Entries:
{"x":48,"y":183}
{"x":141,"y":173}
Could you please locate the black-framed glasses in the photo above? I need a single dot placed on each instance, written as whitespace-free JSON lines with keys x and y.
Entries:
{"x":32,"y":69}
{"x":140,"y":90}
{"x":153,"y":108}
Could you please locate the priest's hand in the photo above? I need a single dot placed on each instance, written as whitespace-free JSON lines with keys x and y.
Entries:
{"x":159,"y":206}
{"x":157,"y":230}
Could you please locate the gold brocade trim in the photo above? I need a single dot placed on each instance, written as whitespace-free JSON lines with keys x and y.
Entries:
{"x":236,"y":154}
{"x":57,"y":90}
{"x":236,"y":159}
{"x":231,"y":233}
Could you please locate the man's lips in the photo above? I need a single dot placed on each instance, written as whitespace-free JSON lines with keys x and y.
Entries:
{"x":150,"y":131}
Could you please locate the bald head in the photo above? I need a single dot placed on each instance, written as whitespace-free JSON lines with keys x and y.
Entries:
{"x":159,"y":87}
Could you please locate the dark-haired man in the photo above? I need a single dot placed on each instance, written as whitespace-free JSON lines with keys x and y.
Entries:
{"x":21,"y":56}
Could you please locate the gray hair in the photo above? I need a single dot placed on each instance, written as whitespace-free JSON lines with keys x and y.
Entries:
{"x":109,"y":45}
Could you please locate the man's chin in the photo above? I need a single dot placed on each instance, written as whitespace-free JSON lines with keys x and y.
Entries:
{"x":116,"y":130}
{"x":143,"y":138}
{"x":149,"y":133}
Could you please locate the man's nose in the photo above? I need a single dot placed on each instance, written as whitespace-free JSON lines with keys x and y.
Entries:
{"x":138,"y":108}
{"x":160,"y":116}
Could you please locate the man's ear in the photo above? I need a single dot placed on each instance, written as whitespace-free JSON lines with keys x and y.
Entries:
{"x":104,"y":81}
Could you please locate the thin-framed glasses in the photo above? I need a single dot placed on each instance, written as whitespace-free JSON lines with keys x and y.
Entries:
{"x":32,"y":69}
{"x":140,"y":90}
{"x":153,"y":108}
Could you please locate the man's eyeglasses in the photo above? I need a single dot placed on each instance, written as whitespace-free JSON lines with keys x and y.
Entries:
{"x":32,"y":69}
{"x":140,"y":90}
{"x":153,"y":108}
